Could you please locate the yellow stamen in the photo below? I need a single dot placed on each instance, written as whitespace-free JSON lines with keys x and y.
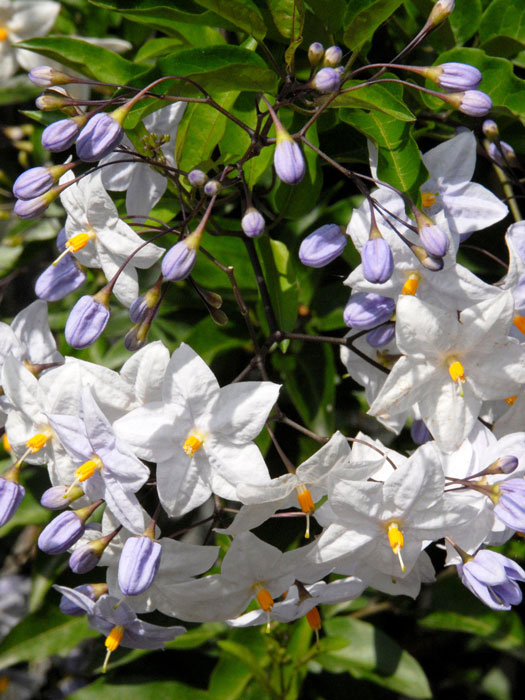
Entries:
{"x":37,"y":442}
{"x":112,"y":641}
{"x":314,"y":619}
{"x":264,"y":599}
{"x":456,"y":371}
{"x":193,"y":443}
{"x":519,"y":322}
{"x":411,"y":285}
{"x":428,"y":198}
{"x":74,"y":244}
{"x":86,"y":470}
{"x":397,"y":542}
{"x":3,"y":34}
{"x":5,"y":443}
{"x":511,"y":400}
{"x":307,"y":505}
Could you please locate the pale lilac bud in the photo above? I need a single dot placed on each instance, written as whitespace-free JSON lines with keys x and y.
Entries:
{"x":137,"y":336}
{"x":505,"y":465}
{"x":61,"y":533}
{"x":45,"y":76}
{"x":178,"y":262}
{"x":84,"y":558}
{"x":435,"y":241}
{"x":510,"y":506}
{"x":59,"y":497}
{"x":458,"y":76}
{"x":60,"y":135}
{"x":101,"y":135}
{"x":441,"y":10}
{"x":326,"y":80}
{"x":252,"y":223}
{"x":490,"y":129}
{"x":59,"y":280}
{"x":212,"y":188}
{"x":419,"y":432}
{"x":474,"y":103}
{"x":366,"y":310}
{"x":315,"y":53}
{"x":377,"y":261}
{"x":197,"y":178}
{"x":33,"y":182}
{"x":379,"y":337}
{"x":492,"y":578}
{"x":53,"y":99}
{"x":288,"y":160}
{"x":322,"y":246}
{"x":68,"y":607}
{"x":138,"y":565}
{"x":503,"y":154}
{"x":332,"y":56}
{"x":86,"y":322}
{"x":138,"y":310}
{"x":11,"y":495}
{"x":32,"y":208}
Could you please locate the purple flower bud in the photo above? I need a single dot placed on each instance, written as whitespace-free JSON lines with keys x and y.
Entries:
{"x":435,"y":241}
{"x":288,"y":160}
{"x":57,"y":281}
{"x":458,"y":76}
{"x":490,"y":129}
{"x":492,"y":578}
{"x":510,"y":507}
{"x":377,"y":260}
{"x":68,"y":607}
{"x":59,"y":497}
{"x":197,"y":178}
{"x":101,"y":135}
{"x":11,"y":495}
{"x":315,"y":53}
{"x":178,"y":262}
{"x":474,"y":103}
{"x":379,"y":337}
{"x":252,"y":223}
{"x":138,"y":565}
{"x":322,"y":246}
{"x":506,"y":464}
{"x":366,"y":310}
{"x":212,"y":188}
{"x":503,"y":154}
{"x":32,"y":208}
{"x":61,"y":533}
{"x":138,"y":310}
{"x":420,"y":433}
{"x":86,"y":322}
{"x":53,"y":99}
{"x":60,"y":135}
{"x":327,"y":80}
{"x":332,"y":56}
{"x":33,"y":183}
{"x":84,"y":558}
{"x":45,"y":76}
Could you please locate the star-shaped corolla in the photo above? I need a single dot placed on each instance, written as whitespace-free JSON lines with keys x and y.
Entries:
{"x":200,"y":434}
{"x":143,"y":184}
{"x":452,"y":362}
{"x":99,"y":238}
{"x":107,"y":468}
{"x":450,"y":195}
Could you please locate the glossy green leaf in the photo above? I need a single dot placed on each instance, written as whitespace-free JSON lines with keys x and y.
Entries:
{"x":42,"y":634}
{"x":247,"y":657}
{"x":228,"y":680}
{"x":373,"y":655}
{"x":399,"y":159}
{"x":288,"y":17}
{"x":465,"y":19}
{"x":200,"y":131}
{"x":363,"y":17}
{"x":91,"y":60}
{"x":151,"y":690}
{"x":243,"y":14}
{"x":502,"y":28}
{"x":219,"y":69}
{"x":280,"y":279}
{"x":379,"y":97}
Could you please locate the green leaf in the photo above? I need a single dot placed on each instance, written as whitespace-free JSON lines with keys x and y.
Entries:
{"x":506,"y":91}
{"x":502,"y":28}
{"x":373,"y":655}
{"x":375,"y":97}
{"x":209,"y":340}
{"x":228,"y":680}
{"x":399,"y":159}
{"x":243,"y":654}
{"x":288,"y":17}
{"x":465,"y":20}
{"x":200,"y":131}
{"x":42,"y":634}
{"x":243,"y":14}
{"x":219,"y":69}
{"x":280,"y":279}
{"x":152,"y":690}
{"x":330,"y":12}
{"x":363,"y":17}
{"x":86,"y":58}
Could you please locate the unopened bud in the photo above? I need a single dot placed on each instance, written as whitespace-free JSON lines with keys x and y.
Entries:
{"x":428,"y":261}
{"x":322,"y":246}
{"x":36,"y":181}
{"x":197,"y":178}
{"x":87,"y":320}
{"x":503,"y":465}
{"x":377,"y":260}
{"x":379,"y":337}
{"x":326,"y":80}
{"x":503,"y":154}
{"x":439,"y":13}
{"x":474,"y":103}
{"x":365,"y":310}
{"x":315,"y":53}
{"x":101,"y":135}
{"x":45,"y":76}
{"x":178,"y":262}
{"x":490,"y":129}
{"x":11,"y":495}
{"x":252,"y":223}
{"x":454,"y":76}
{"x":212,"y":188}
{"x":138,"y":565}
{"x":31,"y":208}
{"x":332,"y":56}
{"x":58,"y":497}
{"x":60,"y":135}
{"x":53,"y":99}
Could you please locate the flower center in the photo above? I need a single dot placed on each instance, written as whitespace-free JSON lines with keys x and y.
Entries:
{"x":428,"y":198}
{"x":193,"y":443}
{"x":86,"y":470}
{"x":411,"y":285}
{"x":397,"y":542}
{"x":35,"y":443}
{"x":3,"y":34}
{"x":74,"y":244}
{"x":456,"y":371}
{"x":511,"y":400}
